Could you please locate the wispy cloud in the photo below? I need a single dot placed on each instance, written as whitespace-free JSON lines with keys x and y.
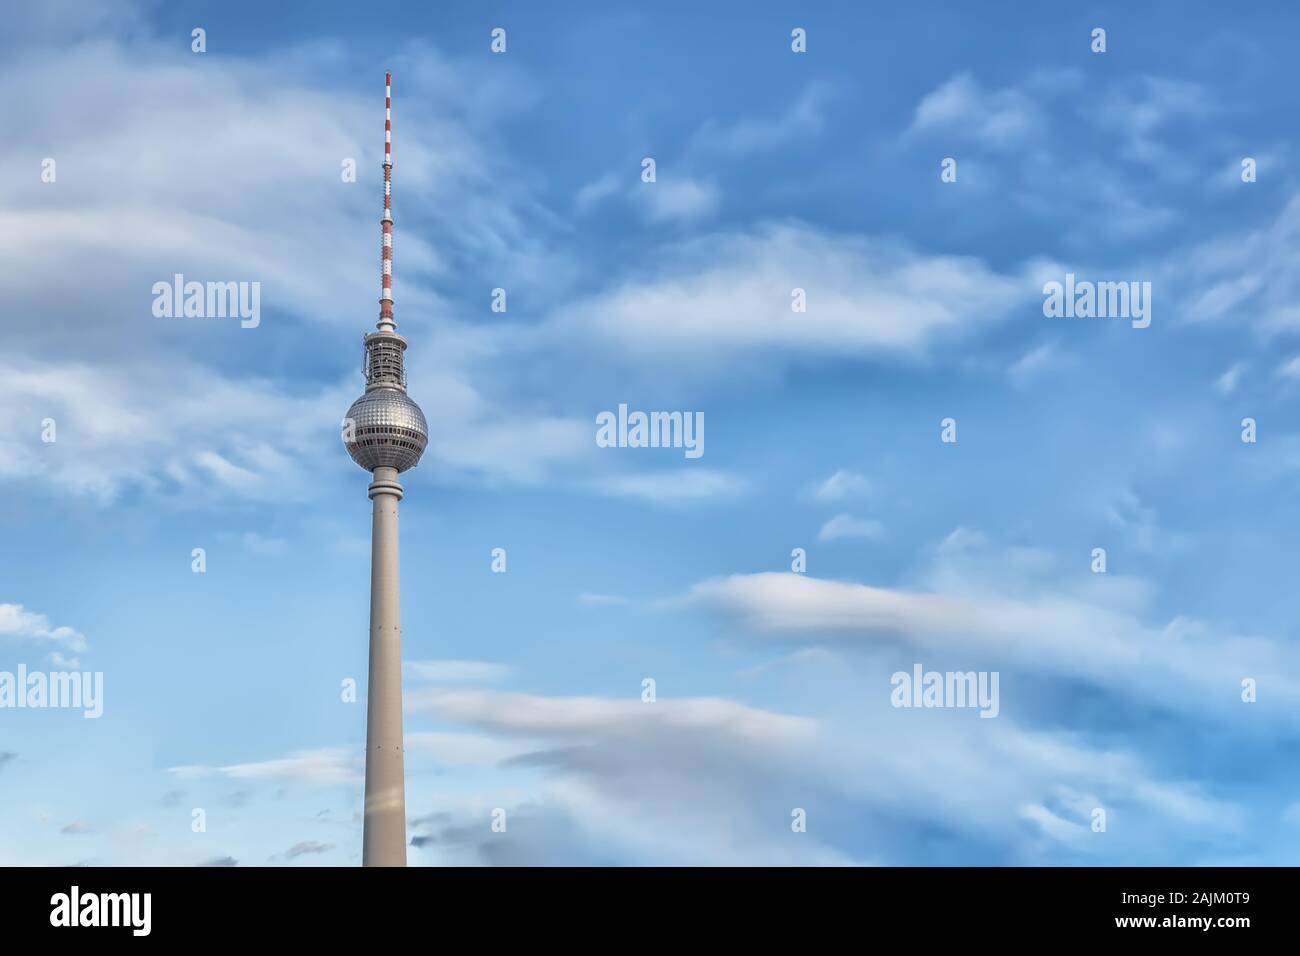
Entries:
{"x":588,"y":749}
{"x":680,"y":200}
{"x":466,"y":750}
{"x":841,"y":485}
{"x":264,"y":208}
{"x":1227,"y":382}
{"x":1246,"y":275}
{"x":997,"y":117}
{"x":802,"y":121}
{"x":679,"y":488}
{"x":307,"y":848}
{"x":1140,"y":524}
{"x":326,"y":767}
{"x":727,"y":298}
{"x":847,"y":526}
{"x":1094,"y":635}
{"x":1032,"y":362}
{"x":1290,"y":368}
{"x":219,"y":436}
{"x":596,"y":191}
{"x":534,"y":714}
{"x":475,"y":672}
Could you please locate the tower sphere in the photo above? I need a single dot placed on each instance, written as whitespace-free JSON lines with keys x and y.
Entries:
{"x":388,"y":430}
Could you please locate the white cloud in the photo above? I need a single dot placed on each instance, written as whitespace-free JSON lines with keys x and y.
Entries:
{"x":1290,"y":368}
{"x":261,"y":141}
{"x":724,"y":298}
{"x":320,"y":768}
{"x":576,"y":787}
{"x":595,"y":192}
{"x":568,"y":716}
{"x":306,"y":847}
{"x":212,"y":436}
{"x":224,"y":436}
{"x":498,"y":444}
{"x":226,"y":472}
{"x":985,"y":779}
{"x":467,"y":750}
{"x":1138,"y":521}
{"x":1032,"y":362}
{"x":843,"y":484}
{"x":1058,"y":828}
{"x":593,"y":753}
{"x":998,"y":118}
{"x":1090,"y":631}
{"x":981,"y":126}
{"x":20,"y":624}
{"x":121,"y":224}
{"x":158,"y":404}
{"x":686,"y":486}
{"x":1247,"y":277}
{"x":680,"y":199}
{"x":456,"y":671}
{"x":1227,"y":382}
{"x":804,"y":120}
{"x":847,"y":526}
{"x":1138,"y":109}
{"x":1133,"y":112}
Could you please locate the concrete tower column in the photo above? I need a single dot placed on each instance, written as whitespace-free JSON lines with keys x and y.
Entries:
{"x":384,"y":840}
{"x":385,"y":433}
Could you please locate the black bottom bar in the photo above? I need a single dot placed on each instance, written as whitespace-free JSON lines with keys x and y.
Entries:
{"x":1223,"y":905}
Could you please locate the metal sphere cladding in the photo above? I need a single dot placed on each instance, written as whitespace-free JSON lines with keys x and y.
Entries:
{"x":388,"y":430}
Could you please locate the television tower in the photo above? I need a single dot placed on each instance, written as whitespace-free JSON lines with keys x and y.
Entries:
{"x":385,"y":433}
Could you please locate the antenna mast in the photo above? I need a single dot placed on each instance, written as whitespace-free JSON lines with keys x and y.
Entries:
{"x":386,"y":323}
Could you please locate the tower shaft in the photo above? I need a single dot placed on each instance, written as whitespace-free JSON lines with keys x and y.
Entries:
{"x":384,"y":833}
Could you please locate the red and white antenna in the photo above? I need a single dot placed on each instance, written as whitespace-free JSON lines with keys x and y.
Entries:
{"x":386,"y":322}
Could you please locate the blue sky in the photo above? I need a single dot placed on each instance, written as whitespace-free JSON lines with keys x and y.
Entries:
{"x":1119,"y":691}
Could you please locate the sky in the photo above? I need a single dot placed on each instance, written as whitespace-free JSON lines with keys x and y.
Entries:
{"x":686,"y":660}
